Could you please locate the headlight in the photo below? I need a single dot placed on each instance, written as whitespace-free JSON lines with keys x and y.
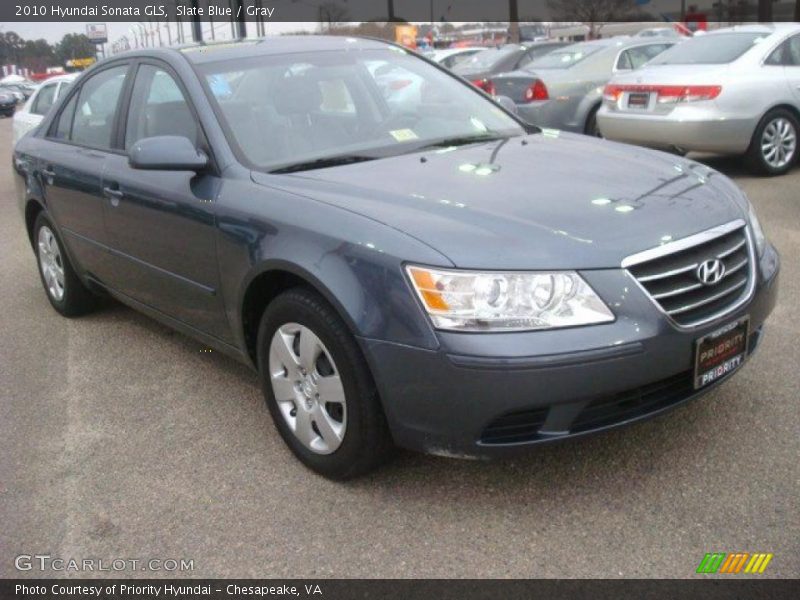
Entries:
{"x":755,"y":227}
{"x":470,"y":301}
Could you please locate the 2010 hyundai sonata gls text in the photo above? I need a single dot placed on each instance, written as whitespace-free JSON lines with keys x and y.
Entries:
{"x":418,"y":269}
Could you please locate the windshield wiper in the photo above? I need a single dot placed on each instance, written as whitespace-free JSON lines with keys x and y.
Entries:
{"x":321,"y":163}
{"x":463,"y":140}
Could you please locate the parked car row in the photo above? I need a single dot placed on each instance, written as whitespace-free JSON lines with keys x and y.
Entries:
{"x":564,"y":89}
{"x":8,"y":104}
{"x":39,"y":103}
{"x":20,"y":91}
{"x":483,"y":66}
{"x":734,"y":91}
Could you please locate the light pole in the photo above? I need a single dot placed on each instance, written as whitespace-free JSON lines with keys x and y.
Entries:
{"x":513,"y":21}
{"x":197,"y":32}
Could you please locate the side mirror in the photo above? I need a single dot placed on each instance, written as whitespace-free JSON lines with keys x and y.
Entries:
{"x":166,"y":153}
{"x":508,"y":104}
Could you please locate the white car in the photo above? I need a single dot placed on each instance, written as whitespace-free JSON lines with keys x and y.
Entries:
{"x":34,"y":110}
{"x":450,"y":57}
{"x":732,"y":91}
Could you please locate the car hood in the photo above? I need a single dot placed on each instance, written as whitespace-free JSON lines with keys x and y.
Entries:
{"x":543,"y":201}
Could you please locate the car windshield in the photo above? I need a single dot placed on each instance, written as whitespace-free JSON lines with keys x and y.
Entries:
{"x":346,"y":106}
{"x":712,"y":49}
{"x":564,"y":58}
{"x":484,"y":61}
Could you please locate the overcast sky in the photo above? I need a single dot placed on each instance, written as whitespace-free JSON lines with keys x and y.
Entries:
{"x":53,"y":32}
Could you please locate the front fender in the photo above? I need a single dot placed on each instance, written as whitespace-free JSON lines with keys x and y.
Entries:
{"x":355,"y":262}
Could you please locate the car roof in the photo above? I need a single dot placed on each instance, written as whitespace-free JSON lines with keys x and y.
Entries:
{"x":544,"y":43}
{"x":780,"y":28}
{"x":205,"y":52}
{"x":623,"y":42}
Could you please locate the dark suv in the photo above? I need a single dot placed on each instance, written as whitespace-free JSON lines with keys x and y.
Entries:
{"x":402,"y":260}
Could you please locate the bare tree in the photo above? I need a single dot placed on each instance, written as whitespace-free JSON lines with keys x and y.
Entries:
{"x":593,"y":13}
{"x":331,"y":14}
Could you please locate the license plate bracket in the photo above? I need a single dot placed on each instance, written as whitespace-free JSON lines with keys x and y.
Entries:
{"x":720,"y":352}
{"x":638,"y":100}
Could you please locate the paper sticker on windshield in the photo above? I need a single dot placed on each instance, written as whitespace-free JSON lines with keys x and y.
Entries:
{"x":403,"y":135}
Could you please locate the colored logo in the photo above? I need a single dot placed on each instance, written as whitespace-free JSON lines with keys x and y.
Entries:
{"x":737,"y":562}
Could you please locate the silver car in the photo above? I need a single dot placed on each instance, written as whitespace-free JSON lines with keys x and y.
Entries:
{"x":564,"y":89}
{"x":734,"y":91}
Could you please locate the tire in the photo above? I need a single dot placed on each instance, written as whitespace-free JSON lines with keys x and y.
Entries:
{"x":319,"y":389}
{"x":63,"y":287}
{"x":778,"y":122}
{"x":592,"y":128}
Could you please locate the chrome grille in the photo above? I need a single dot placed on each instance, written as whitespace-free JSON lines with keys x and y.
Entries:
{"x":669,"y":274}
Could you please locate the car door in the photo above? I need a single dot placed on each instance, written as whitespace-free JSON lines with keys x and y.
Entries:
{"x":161,"y":223}
{"x":71,"y":157}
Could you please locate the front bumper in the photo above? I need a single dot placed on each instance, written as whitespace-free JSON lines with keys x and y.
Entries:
{"x":549,"y":385}
{"x":687,"y":127}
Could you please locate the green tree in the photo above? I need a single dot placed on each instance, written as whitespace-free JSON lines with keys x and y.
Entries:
{"x":37,"y":55}
{"x":74,"y":45}
{"x":10,"y":47}
{"x":593,"y":13}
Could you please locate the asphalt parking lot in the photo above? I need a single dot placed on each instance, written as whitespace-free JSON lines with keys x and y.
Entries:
{"x":122,"y":439}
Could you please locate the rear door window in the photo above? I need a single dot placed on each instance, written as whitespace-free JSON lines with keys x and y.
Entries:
{"x":96,"y":112}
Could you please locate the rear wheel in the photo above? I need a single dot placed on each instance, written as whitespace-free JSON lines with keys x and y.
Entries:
{"x":318,"y":387}
{"x":773,"y":149}
{"x":63,"y":287}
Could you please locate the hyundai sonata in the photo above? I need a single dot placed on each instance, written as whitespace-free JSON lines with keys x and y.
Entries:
{"x":733,"y":91}
{"x":433,"y":274}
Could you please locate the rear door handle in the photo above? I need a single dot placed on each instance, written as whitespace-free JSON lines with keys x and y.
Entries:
{"x":114,"y":194}
{"x":49,"y":173}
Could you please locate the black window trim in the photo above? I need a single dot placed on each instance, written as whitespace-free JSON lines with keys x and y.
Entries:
{"x":76,"y":89}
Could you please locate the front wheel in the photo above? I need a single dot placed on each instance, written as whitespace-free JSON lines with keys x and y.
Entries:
{"x":63,"y":287}
{"x":592,"y":128}
{"x":318,"y":387}
{"x":773,"y":149}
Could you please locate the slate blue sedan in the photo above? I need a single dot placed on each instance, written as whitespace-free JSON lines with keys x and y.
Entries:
{"x":431,"y":273}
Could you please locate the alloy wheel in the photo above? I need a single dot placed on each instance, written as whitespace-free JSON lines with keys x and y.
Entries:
{"x":307,"y":388}
{"x":779,"y":143}
{"x":51,"y":263}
